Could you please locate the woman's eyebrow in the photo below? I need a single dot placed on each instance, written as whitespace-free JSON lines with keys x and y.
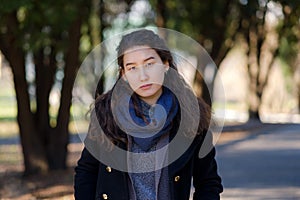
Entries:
{"x":150,"y":58}
{"x":132,"y":63}
{"x":129,"y":64}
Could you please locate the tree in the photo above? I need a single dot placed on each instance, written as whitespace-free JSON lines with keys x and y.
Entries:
{"x":252,"y":26}
{"x":289,"y":39}
{"x":217,"y":25}
{"x":211,"y":23}
{"x":48,"y":34}
{"x":265,"y":40}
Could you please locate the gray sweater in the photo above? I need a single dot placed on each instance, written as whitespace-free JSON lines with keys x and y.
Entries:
{"x":153,"y":183}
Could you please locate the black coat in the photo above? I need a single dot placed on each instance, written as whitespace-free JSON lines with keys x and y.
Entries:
{"x":94,"y":180}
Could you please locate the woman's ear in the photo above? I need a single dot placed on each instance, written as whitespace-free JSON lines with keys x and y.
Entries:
{"x":122,"y":74}
{"x":167,"y":66}
{"x":124,"y":78}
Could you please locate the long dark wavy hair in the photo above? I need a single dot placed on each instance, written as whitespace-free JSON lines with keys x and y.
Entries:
{"x":102,"y":107}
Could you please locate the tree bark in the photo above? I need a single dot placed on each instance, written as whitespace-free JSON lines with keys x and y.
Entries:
{"x":33,"y":151}
{"x":219,"y":48}
{"x":58,"y":139}
{"x":253,"y":71}
{"x":44,"y":147}
{"x":202,"y":88}
{"x":218,"y":52}
{"x":160,"y":13}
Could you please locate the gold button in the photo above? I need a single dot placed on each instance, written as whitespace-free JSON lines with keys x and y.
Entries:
{"x":108,"y":169}
{"x":104,"y":196}
{"x":177,"y":178}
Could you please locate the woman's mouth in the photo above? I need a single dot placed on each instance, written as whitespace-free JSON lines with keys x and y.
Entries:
{"x":146,"y":86}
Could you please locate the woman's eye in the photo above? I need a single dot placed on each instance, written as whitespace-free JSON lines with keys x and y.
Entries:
{"x":148,"y":64}
{"x":132,"y":68}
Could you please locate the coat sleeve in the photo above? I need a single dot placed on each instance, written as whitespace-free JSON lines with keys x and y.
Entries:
{"x":86,"y":175}
{"x":207,"y":182}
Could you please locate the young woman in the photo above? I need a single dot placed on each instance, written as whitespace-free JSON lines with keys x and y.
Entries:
{"x":150,"y":114}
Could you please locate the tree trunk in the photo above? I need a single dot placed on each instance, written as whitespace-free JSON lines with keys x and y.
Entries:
{"x":218,"y":52}
{"x":161,"y":13}
{"x":59,"y":138}
{"x":33,"y":150}
{"x":220,"y":48}
{"x":263,"y":50}
{"x":253,"y":71}
{"x":44,"y":147}
{"x":297,"y":76}
{"x":201,"y":88}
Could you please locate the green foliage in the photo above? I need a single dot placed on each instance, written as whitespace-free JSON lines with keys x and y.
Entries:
{"x":289,"y":31}
{"x":43,"y":23}
{"x":211,"y":23}
{"x":12,"y":5}
{"x":288,"y":49}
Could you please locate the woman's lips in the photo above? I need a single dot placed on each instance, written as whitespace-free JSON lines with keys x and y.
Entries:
{"x":146,"y":86}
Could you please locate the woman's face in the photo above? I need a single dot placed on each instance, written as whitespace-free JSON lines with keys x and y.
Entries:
{"x":144,"y":71}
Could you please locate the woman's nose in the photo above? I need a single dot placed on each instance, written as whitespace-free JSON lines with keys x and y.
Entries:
{"x":143,"y":74}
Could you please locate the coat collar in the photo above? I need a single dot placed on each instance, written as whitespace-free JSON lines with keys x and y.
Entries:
{"x":187,"y":155}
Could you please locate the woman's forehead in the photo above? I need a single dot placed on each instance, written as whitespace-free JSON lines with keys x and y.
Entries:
{"x":137,"y":53}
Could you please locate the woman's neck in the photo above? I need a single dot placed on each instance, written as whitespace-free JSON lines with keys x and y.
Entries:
{"x":151,"y":100}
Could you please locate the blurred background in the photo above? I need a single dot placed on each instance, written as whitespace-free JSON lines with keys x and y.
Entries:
{"x":254,"y":44}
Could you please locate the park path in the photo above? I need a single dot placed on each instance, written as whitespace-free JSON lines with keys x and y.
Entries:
{"x":263,"y":165}
{"x":256,"y":164}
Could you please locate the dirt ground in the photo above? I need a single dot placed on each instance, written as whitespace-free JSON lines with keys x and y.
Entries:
{"x":55,"y":185}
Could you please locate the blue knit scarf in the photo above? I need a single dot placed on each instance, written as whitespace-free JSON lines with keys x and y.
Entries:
{"x":158,"y":117}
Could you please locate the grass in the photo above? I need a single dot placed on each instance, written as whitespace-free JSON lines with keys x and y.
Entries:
{"x":8,"y":111}
{"x":8,"y":105}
